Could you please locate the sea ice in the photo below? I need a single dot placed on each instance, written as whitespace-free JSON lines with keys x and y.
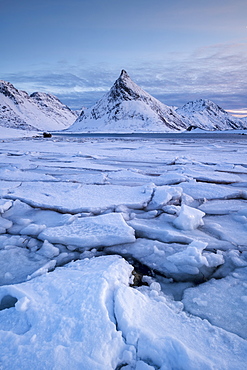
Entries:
{"x":6,"y":186}
{"x":161,"y":228}
{"x":14,"y":174}
{"x":232,"y":228}
{"x":167,"y":339}
{"x":178,"y":261}
{"x":189,"y":218}
{"x":65,"y":319}
{"x":123,"y":196}
{"x":170,"y":178}
{"x":90,"y":232}
{"x":18,"y":263}
{"x":200,"y":190}
{"x":162,"y":195}
{"x":205,"y":175}
{"x":75,"y":198}
{"x":223,"y":207}
{"x":206,"y":301}
{"x":31,"y":221}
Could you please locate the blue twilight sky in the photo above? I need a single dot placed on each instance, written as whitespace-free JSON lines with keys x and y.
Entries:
{"x":177,"y":50}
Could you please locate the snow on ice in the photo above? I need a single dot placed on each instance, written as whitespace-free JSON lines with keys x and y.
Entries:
{"x":123,"y":253}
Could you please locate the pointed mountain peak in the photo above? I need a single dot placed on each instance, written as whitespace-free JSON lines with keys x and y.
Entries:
{"x":124,"y":75}
{"x":126,"y":108}
{"x":125,"y":89}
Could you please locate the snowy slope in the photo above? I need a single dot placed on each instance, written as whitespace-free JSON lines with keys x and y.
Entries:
{"x":128,"y":108}
{"x":244,"y":121}
{"x":207,"y":115}
{"x":38,"y":111}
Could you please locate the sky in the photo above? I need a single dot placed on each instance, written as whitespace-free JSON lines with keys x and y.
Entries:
{"x":176,"y":50}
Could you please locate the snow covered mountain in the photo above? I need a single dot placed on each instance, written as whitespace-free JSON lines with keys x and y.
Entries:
{"x":207,"y":115}
{"x":39,"y":111}
{"x":128,"y":108}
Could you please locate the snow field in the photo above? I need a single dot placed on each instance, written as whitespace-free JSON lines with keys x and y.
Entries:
{"x":179,"y":220}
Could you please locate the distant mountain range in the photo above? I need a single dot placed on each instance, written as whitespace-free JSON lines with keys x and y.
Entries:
{"x":38,"y":111}
{"x":125,"y":108}
{"x":128,"y":108}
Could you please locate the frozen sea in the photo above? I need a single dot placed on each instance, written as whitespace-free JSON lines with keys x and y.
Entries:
{"x":123,"y":252}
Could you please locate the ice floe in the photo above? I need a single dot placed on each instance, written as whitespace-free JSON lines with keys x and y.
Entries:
{"x":123,"y":253}
{"x":91,"y":232}
{"x":76,"y":198}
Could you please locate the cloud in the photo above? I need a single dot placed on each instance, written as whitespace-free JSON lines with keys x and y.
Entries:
{"x":217,"y":73}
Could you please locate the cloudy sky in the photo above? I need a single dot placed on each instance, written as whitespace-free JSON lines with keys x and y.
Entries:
{"x":177,"y":50}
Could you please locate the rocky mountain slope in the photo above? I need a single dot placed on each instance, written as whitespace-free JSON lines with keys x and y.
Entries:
{"x":207,"y":115}
{"x":128,"y":108}
{"x":38,"y":111}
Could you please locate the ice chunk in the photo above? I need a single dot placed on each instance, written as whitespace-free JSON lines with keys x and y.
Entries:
{"x":212,"y":176}
{"x":6,"y":186}
{"x":17,"y":263}
{"x":4,"y":224}
{"x":189,"y":218}
{"x":90,"y":232}
{"x":65,"y":319}
{"x":48,"y":250}
{"x":84,"y":177}
{"x":199,"y":190}
{"x":181,"y":262}
{"x":158,"y":229}
{"x":168,"y":339}
{"x":170,"y":178}
{"x":162,"y":195}
{"x":15,"y":174}
{"x":223,"y":207}
{"x":75,"y":198}
{"x":191,"y":259}
{"x":221,"y":302}
{"x":32,"y":229}
{"x":128,"y":177}
{"x":34,"y":220}
{"x":161,"y":228}
{"x":227,"y":227}
{"x":5,"y":205}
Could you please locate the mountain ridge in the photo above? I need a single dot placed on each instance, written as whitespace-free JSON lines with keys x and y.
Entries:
{"x":206,"y":115}
{"x":127,"y":108}
{"x":38,"y":111}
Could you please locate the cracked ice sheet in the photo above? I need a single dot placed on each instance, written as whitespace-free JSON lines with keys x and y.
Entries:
{"x":199,"y":190}
{"x":25,"y":217}
{"x":90,"y":232}
{"x":177,"y":261}
{"x":223,"y":207}
{"x":15,"y":174}
{"x":168,"y":339}
{"x":128,"y":177}
{"x":210,"y":174}
{"x":65,"y":319}
{"x":206,"y":301}
{"x":162,"y":229}
{"x":75,"y":198}
{"x":231,"y":228}
{"x":19,"y":263}
{"x":6,"y":186}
